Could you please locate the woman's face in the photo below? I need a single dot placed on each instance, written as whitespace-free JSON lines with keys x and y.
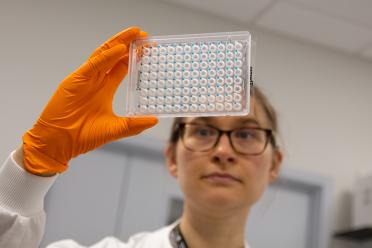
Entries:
{"x":221,"y":178}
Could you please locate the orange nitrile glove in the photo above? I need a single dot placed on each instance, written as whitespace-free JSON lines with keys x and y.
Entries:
{"x":79,"y":117}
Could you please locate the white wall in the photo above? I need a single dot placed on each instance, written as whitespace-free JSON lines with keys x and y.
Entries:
{"x":322,"y":96}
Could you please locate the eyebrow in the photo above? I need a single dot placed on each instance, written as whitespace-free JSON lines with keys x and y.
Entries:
{"x":240,"y":121}
{"x":249,"y":121}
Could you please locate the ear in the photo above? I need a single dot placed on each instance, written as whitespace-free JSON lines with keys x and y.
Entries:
{"x":276,"y":164}
{"x":170,"y":159}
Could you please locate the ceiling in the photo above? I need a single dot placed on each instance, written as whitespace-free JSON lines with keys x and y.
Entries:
{"x":345,"y":25}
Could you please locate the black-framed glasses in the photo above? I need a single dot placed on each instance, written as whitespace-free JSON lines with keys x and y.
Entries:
{"x":246,"y":140}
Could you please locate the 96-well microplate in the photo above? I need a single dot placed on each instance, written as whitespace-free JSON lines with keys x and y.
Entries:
{"x":190,"y":75}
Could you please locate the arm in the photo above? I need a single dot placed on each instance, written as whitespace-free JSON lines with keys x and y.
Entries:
{"x":22,"y":218}
{"x":77,"y":119}
{"x":18,"y":158}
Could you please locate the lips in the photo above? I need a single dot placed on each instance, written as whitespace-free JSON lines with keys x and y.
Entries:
{"x":221,"y":177}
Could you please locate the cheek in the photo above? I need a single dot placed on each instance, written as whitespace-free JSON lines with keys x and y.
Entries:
{"x":257,"y":171}
{"x":189,"y":170}
{"x":263,"y":162}
{"x":187,"y":164}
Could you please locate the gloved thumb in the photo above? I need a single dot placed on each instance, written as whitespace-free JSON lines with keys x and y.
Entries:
{"x":135,"y":125}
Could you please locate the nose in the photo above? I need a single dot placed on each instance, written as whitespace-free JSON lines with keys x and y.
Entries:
{"x":223,"y":153}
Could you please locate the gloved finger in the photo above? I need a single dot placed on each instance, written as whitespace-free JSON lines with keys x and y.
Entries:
{"x":103,"y":62}
{"x":135,"y":125}
{"x":117,"y":73}
{"x":143,"y":34}
{"x":124,"y":37}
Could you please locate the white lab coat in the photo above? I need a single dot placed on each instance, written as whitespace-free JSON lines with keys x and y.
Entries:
{"x":22,"y":216}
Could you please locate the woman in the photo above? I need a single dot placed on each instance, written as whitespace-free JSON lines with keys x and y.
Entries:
{"x":223,"y":164}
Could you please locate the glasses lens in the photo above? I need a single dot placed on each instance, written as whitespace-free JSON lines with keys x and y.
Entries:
{"x":199,"y":137}
{"x":249,"y":140}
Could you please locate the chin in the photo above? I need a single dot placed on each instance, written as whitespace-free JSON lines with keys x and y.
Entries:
{"x":221,"y":200}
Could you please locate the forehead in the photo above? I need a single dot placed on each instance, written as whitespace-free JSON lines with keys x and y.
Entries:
{"x":256,"y":117}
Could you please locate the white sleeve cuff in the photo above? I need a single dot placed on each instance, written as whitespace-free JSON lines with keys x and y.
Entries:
{"x":21,"y":191}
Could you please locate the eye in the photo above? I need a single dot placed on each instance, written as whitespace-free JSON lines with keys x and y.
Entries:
{"x":202,"y":131}
{"x":246,"y":134}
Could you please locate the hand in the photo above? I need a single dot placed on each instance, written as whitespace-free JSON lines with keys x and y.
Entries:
{"x":79,"y":116}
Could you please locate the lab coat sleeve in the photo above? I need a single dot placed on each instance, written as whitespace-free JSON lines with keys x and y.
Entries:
{"x":22,"y":216}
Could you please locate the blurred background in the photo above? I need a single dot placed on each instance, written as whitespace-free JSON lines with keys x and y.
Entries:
{"x":313,"y":58}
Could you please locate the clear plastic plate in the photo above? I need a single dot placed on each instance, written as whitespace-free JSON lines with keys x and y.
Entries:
{"x":190,"y":75}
